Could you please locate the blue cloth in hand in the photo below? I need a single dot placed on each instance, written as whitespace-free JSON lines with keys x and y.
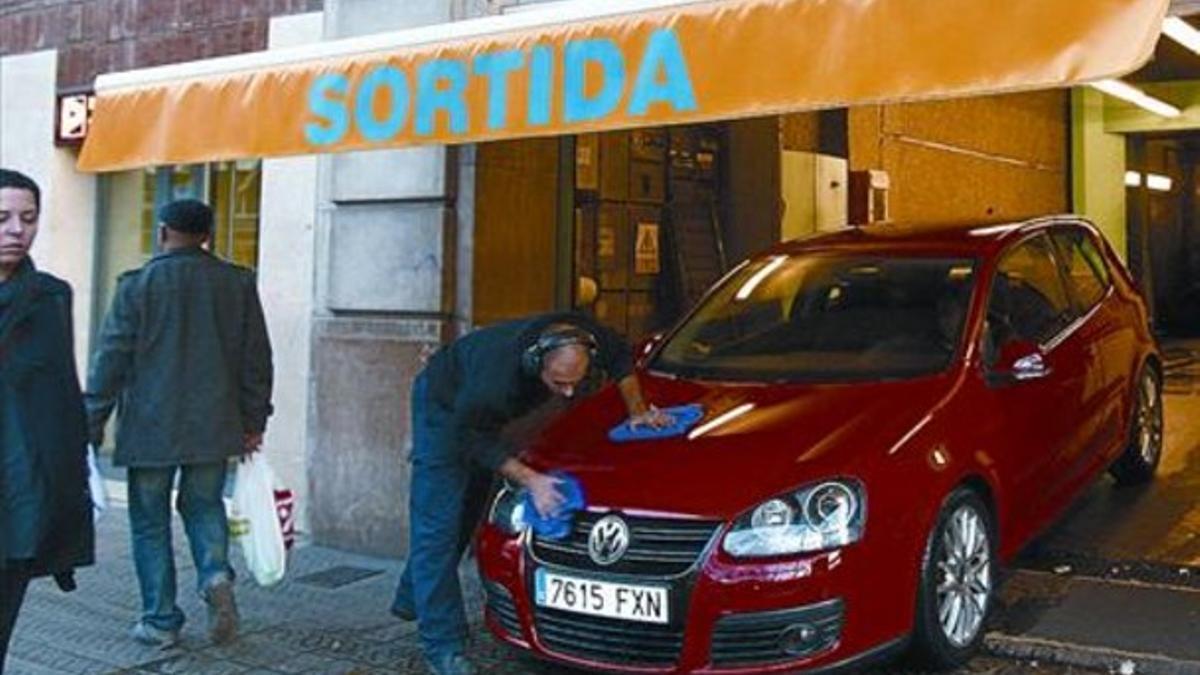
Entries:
{"x":557,"y":526}
{"x":683,"y":417}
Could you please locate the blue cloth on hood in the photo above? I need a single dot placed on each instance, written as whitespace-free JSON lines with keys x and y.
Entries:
{"x":557,"y":526}
{"x":683,"y":417}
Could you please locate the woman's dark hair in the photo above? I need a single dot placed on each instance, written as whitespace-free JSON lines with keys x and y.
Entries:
{"x":19,"y":181}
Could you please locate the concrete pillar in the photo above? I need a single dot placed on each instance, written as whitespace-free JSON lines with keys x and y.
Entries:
{"x":387,"y":242}
{"x":1097,"y":168}
{"x":287,"y":252}
{"x":66,"y":241}
{"x":1141,"y":265}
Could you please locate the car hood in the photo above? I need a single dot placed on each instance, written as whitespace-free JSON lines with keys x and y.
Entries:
{"x":755,"y":441}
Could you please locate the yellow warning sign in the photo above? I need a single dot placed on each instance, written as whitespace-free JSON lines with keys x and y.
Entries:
{"x":645,"y":252}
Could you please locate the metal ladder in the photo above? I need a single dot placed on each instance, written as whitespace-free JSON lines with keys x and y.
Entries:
{"x":700,"y":253}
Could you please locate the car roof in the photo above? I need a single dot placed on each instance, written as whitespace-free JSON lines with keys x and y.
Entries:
{"x":960,"y":238}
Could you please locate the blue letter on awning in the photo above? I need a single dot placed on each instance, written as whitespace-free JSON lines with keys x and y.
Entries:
{"x":675,"y":87}
{"x":430,"y":98}
{"x":336,"y":121}
{"x":496,"y":68}
{"x":384,"y":77}
{"x":541,"y":76}
{"x":577,"y":106}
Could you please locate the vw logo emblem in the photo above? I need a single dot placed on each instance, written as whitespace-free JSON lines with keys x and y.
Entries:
{"x":608,"y":540}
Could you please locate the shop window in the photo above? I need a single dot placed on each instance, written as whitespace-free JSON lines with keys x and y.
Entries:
{"x":235,"y":188}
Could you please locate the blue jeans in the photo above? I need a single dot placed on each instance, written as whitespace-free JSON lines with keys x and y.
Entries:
{"x":446,"y":501}
{"x":200,"y":503}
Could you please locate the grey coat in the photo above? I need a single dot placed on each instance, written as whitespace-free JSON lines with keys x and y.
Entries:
{"x":184,"y":356}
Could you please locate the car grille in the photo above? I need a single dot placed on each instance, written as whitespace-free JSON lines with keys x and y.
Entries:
{"x":501,"y":606}
{"x":657,"y":546}
{"x":609,"y":640}
{"x":772,"y":637}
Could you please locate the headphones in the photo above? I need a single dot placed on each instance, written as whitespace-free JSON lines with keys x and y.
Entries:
{"x":551,"y":339}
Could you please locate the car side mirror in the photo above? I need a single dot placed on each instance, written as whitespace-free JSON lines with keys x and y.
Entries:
{"x":1018,"y":361}
{"x":647,"y":347}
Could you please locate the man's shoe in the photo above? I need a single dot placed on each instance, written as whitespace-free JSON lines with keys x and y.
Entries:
{"x":453,"y":663}
{"x":222,"y":613}
{"x":154,"y":637}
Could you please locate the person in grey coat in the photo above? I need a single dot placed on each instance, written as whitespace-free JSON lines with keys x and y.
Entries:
{"x":185,"y":357}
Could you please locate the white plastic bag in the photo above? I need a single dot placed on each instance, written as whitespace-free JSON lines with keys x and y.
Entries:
{"x":255,"y":521}
{"x":96,"y":484}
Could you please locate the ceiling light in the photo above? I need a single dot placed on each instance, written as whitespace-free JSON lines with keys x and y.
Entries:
{"x":1133,"y":179}
{"x":1158,"y":182}
{"x":1182,"y":32}
{"x":1137,"y":97}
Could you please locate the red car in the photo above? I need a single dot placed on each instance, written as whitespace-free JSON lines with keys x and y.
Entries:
{"x":889,"y":414}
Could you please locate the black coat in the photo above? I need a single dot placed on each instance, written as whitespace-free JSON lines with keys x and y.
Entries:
{"x":185,"y":359}
{"x":478,"y":383}
{"x":37,"y":365}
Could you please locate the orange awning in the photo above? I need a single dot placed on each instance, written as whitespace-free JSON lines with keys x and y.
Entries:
{"x":593,"y":66}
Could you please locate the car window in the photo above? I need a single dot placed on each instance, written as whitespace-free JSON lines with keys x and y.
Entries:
{"x":826,"y":317}
{"x":1028,"y":300}
{"x":1087,"y":273}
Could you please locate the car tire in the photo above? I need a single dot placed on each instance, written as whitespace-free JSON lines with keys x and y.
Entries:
{"x":1143,"y":449}
{"x":958,"y":582}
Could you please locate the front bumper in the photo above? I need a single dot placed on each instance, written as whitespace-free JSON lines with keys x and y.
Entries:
{"x":826,"y":611}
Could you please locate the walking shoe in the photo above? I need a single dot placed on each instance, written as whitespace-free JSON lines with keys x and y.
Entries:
{"x":451,"y":663}
{"x":154,"y":637}
{"x":222,"y":613}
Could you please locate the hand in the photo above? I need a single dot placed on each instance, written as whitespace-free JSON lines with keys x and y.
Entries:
{"x":252,"y":443}
{"x":653,"y":418}
{"x":546,"y":497}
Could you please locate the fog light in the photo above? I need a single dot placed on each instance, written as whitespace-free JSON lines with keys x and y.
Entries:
{"x":799,"y":639}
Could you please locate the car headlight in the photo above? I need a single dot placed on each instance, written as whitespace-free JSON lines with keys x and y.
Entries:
{"x":508,"y":511}
{"x":823,"y":516}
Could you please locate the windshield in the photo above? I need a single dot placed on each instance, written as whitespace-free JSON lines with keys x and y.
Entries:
{"x":825,"y":318}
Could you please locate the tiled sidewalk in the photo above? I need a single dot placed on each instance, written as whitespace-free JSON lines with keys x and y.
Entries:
{"x":334,"y":622}
{"x":330,"y":617}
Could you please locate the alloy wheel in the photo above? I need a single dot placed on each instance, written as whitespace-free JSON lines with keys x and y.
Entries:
{"x":964,"y":566}
{"x":1149,"y":421}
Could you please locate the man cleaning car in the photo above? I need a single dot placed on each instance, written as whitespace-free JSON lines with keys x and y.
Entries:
{"x":469,"y":392}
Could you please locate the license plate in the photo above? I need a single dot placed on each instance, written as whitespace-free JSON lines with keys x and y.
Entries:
{"x":631,"y":602}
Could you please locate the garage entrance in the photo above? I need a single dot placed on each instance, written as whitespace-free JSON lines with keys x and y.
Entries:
{"x":633,"y":226}
{"x":1164,"y":228}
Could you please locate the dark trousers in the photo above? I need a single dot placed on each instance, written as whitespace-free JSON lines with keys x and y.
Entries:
{"x":13,"y":582}
{"x":447,"y":499}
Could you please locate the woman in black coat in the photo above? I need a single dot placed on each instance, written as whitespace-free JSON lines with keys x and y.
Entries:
{"x":45,"y":508}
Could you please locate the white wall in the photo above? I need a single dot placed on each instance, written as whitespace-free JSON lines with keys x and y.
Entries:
{"x":813,"y":189}
{"x":66,"y":242}
{"x":285,"y":273}
{"x":385,"y":249}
